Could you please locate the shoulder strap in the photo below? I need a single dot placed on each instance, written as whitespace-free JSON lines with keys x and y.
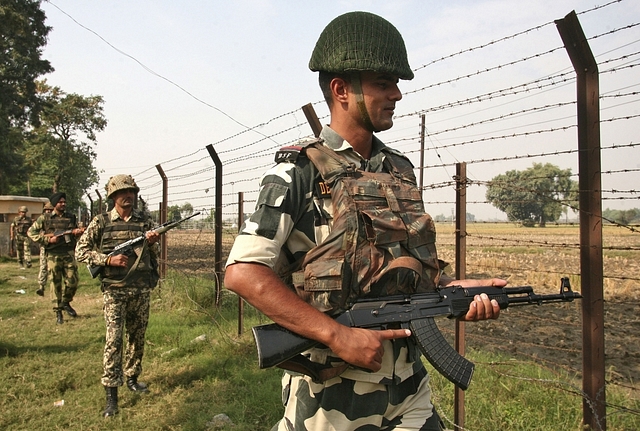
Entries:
{"x":290,"y":153}
{"x":329,"y":163}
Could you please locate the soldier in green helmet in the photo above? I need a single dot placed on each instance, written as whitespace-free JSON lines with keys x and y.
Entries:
{"x":126,"y":283}
{"x":307,"y":250}
{"x":19,"y":228}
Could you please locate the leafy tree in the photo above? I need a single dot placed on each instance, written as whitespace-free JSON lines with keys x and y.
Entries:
{"x":186,"y":210}
{"x":173,"y":213}
{"x":23,"y":34}
{"x":623,"y":217}
{"x":533,"y":195}
{"x":59,"y":153}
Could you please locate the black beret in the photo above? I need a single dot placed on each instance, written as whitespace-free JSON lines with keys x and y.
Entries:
{"x":56,"y":197}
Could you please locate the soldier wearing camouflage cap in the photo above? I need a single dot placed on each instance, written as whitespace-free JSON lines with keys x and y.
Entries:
{"x":18,"y":235}
{"x":127,"y":282}
{"x":364,"y":378}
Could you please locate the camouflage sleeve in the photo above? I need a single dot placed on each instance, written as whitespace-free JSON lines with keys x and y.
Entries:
{"x":36,"y":231}
{"x":284,"y":197}
{"x":87,"y":246}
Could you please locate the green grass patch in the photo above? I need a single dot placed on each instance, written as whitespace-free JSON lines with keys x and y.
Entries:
{"x":197,"y":366}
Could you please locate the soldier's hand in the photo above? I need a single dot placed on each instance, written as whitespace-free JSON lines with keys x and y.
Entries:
{"x":152,"y":237}
{"x":119,"y":260}
{"x":78,"y":231}
{"x":53,"y":239}
{"x":363,"y":347}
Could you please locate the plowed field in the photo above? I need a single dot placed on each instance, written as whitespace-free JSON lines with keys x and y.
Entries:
{"x":539,"y":257}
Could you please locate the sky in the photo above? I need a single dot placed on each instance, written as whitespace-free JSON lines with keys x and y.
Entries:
{"x":178,"y":76}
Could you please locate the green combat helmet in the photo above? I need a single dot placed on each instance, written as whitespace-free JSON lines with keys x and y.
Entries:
{"x":120,"y":182}
{"x":361,"y":41}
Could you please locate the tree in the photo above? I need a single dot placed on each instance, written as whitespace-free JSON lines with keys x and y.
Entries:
{"x":623,"y":217}
{"x":59,"y":153}
{"x":186,"y":210}
{"x":534,"y":195}
{"x":23,"y":34}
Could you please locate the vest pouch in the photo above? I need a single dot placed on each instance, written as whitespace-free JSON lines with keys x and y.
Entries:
{"x":320,"y":285}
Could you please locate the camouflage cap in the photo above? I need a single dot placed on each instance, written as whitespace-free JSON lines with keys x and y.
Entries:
{"x":23,"y":209}
{"x":48,"y":206}
{"x":120,"y":182}
{"x":361,"y":41}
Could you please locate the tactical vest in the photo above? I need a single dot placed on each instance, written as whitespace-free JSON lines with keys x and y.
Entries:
{"x":382,"y":242}
{"x":22,"y":225}
{"x":115,"y":233}
{"x":60,"y":223}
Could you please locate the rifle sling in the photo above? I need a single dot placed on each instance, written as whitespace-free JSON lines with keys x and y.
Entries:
{"x":133,"y":268}
{"x":303,"y":365}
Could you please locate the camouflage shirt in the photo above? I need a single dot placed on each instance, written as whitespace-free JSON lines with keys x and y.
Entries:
{"x":291,"y":217}
{"x":21,"y":224}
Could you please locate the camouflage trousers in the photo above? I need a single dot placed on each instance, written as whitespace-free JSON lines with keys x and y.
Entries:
{"x":347,"y":405}
{"x":42,"y":272}
{"x":23,"y":249}
{"x":63,"y":269}
{"x":130,"y":311}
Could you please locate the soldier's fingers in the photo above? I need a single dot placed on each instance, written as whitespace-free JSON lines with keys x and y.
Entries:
{"x":391,"y":334}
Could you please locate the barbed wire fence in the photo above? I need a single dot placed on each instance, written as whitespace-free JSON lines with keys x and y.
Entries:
{"x":481,"y":109}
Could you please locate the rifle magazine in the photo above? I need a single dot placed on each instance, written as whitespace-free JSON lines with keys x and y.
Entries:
{"x":440,"y":354}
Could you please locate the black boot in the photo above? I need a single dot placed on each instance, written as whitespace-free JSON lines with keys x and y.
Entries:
{"x":59,"y":319}
{"x":112,"y":402}
{"x":70,"y":311}
{"x":135,"y":386}
{"x":40,"y":291}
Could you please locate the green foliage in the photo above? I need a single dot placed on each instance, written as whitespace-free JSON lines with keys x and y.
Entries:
{"x":23,"y":34}
{"x":534,"y":195}
{"x":59,"y":153}
{"x":623,"y":217}
{"x":198,"y":366}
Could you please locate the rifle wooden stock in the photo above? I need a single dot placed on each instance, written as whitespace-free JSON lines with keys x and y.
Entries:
{"x":276,"y":344}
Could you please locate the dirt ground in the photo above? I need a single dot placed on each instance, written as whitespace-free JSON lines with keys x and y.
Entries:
{"x":551,"y":335}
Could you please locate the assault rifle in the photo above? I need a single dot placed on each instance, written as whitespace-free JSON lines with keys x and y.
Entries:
{"x":276,"y":344}
{"x":128,"y":246}
{"x":65,"y":233}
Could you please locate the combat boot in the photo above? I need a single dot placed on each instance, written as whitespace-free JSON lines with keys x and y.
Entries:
{"x":40,"y":292}
{"x":135,"y":386}
{"x":59,"y":319}
{"x":112,"y":402}
{"x":70,"y":311}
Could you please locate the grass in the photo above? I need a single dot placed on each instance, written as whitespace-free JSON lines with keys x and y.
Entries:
{"x":194,"y":378}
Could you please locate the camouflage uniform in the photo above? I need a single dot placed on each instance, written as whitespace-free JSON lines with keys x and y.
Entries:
{"x":61,"y":262}
{"x":291,"y":218}
{"x":42,"y":271}
{"x":20,"y":227}
{"x":126,"y":293}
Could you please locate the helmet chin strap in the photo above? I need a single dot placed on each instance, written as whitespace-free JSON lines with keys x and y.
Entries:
{"x":364,"y":114}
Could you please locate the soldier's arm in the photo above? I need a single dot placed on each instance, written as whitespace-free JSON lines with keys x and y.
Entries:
{"x":36,"y":233}
{"x":87,"y":246}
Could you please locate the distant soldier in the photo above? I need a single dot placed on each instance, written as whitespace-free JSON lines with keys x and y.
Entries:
{"x":19,"y":228}
{"x":42,"y":273}
{"x":57,"y":233}
{"x":127,"y":282}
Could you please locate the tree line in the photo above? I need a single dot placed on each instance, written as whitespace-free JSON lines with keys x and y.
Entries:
{"x":47,"y":135}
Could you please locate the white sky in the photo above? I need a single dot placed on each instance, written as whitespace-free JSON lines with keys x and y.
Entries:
{"x":248,"y":60}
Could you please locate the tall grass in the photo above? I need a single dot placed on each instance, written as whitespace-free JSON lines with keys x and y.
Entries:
{"x":198,"y":367}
